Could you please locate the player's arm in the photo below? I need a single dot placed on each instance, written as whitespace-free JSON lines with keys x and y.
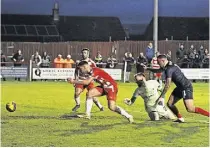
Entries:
{"x":133,"y":98}
{"x":83,"y":82}
{"x":169,"y":73}
{"x":166,"y":88}
{"x":152,"y":69}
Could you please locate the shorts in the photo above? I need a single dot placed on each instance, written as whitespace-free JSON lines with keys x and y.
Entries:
{"x":158,"y":75}
{"x":88,"y":87}
{"x":186,"y":93}
{"x":110,"y":92}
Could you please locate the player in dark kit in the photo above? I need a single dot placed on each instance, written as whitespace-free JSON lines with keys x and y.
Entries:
{"x":107,"y":87}
{"x":183,"y":88}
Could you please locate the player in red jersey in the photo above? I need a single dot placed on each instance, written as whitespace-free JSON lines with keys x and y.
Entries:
{"x":107,"y":87}
{"x":79,"y":88}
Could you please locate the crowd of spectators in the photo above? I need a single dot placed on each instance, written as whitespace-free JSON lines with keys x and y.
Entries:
{"x":185,"y":58}
{"x":192,"y":58}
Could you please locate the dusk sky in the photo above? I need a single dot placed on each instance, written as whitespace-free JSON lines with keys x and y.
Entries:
{"x":129,"y":11}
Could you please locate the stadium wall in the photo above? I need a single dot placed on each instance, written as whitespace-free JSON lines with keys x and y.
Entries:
{"x":106,"y":48}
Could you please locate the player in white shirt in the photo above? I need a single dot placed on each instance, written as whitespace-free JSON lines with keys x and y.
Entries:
{"x":148,"y":90}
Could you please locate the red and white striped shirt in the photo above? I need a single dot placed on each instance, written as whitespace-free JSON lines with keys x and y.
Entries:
{"x":82,"y":76}
{"x":154,"y":63}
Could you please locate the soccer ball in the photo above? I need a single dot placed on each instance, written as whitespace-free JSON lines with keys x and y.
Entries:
{"x":11,"y":106}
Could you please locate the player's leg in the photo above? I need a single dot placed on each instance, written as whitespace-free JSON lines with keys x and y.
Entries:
{"x":111,"y":97}
{"x":78,"y":91}
{"x":95,"y":100}
{"x":175,"y":96}
{"x":98,"y":104}
{"x":94,"y":92}
{"x":189,"y":103}
{"x":113,"y":107}
{"x":164,"y":112}
{"x":154,"y":116}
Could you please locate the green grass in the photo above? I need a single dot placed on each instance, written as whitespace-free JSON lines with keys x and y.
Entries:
{"x":43,"y":119}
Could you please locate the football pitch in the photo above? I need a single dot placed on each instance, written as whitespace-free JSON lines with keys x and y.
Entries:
{"x":44,"y":118}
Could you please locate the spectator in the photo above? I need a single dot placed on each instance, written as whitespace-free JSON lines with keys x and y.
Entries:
{"x":45,"y":60}
{"x":3,"y":64}
{"x":168,"y":55}
{"x":201,"y":52}
{"x":184,"y":63}
{"x":191,"y":50}
{"x":129,"y":60}
{"x":36,"y":60}
{"x":196,"y":63}
{"x":99,"y":60}
{"x":68,"y":62}
{"x":150,"y":52}
{"x":180,"y":54}
{"x":205,"y":61}
{"x":58,"y":62}
{"x":191,"y":56}
{"x":18,"y":60}
{"x":111,"y":62}
{"x":141,"y":60}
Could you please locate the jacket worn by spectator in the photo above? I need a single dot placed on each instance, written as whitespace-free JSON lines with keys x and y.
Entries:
{"x":68,"y":62}
{"x":99,"y":60}
{"x":201,"y":53}
{"x":45,"y":60}
{"x":205,"y":61}
{"x":111,"y":62}
{"x":196,"y":62}
{"x":18,"y":59}
{"x":184,"y":63}
{"x":3,"y":60}
{"x":59,"y":62}
{"x":130,"y":61}
{"x":150,"y":53}
{"x":180,"y":53}
{"x":36,"y":59}
{"x":140,"y":60}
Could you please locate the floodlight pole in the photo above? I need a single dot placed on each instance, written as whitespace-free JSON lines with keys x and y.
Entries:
{"x":155,"y":26}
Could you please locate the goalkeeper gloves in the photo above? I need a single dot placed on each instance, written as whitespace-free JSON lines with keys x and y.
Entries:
{"x":127,"y":101}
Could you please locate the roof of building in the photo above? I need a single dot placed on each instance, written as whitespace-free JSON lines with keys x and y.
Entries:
{"x":69,"y":28}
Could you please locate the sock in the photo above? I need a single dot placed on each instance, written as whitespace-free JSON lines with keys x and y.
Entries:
{"x":175,"y":111}
{"x":89,"y":104}
{"x":77,"y":100}
{"x":201,"y":111}
{"x":121,"y":111}
{"x":98,"y":104}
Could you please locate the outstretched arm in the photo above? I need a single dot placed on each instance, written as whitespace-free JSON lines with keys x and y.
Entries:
{"x":133,"y":99}
{"x":152,"y":69}
{"x":83,"y":82}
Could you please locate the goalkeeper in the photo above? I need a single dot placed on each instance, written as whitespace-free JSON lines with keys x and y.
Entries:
{"x":148,"y":90}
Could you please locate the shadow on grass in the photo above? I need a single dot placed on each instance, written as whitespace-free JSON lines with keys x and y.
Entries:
{"x":87,"y":129}
{"x":32,"y":117}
